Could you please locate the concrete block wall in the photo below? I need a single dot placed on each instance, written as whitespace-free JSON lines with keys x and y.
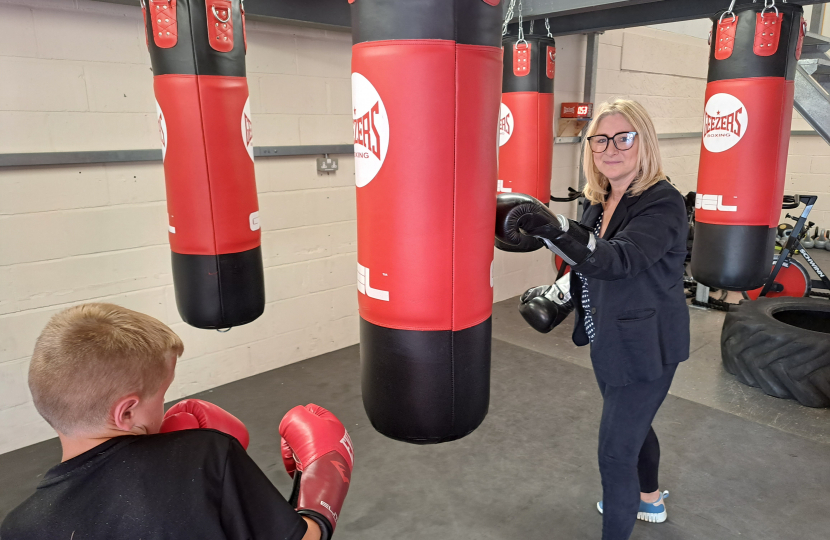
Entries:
{"x":666,"y":71}
{"x":97,"y":232}
{"x":73,"y":234}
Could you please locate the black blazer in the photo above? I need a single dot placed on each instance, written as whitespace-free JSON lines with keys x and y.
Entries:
{"x":635,"y":286}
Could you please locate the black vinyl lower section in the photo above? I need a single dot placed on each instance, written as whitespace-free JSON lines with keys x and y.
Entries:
{"x":425,"y":387}
{"x":743,"y":62}
{"x":192,"y":54}
{"x":535,"y":81}
{"x":219,"y":291}
{"x":732,"y":257}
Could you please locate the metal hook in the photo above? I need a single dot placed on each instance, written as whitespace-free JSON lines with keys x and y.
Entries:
{"x":521,"y":27}
{"x":220,"y":19}
{"x":729,"y":11}
{"x":771,"y":5}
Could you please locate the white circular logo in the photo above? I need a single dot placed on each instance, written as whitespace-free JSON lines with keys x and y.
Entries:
{"x":371,"y":130}
{"x":724,"y":122}
{"x":162,"y":130}
{"x":247,"y":132}
{"x":505,"y":124}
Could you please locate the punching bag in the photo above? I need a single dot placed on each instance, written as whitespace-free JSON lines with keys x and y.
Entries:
{"x":746,"y":133}
{"x":197,"y":49}
{"x":526,"y":115}
{"x":426,"y":78}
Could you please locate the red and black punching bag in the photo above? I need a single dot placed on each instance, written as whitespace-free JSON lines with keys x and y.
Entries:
{"x":746,"y":133}
{"x":426,"y":79}
{"x":526,"y":116}
{"x":197,"y":49}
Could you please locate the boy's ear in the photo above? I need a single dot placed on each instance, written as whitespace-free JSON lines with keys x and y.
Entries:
{"x":123,"y":412}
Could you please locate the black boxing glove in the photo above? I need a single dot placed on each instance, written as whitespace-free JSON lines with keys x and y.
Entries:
{"x":509,"y":208}
{"x":545,"y":307}
{"x":521,"y":215}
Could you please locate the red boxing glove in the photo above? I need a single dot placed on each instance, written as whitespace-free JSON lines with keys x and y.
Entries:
{"x":195,"y":414}
{"x":318,"y":454}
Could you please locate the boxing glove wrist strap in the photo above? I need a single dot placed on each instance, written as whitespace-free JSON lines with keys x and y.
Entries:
{"x":326,"y":529}
{"x":574,"y":246}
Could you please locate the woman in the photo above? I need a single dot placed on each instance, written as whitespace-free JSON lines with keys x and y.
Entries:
{"x":633,"y":309}
{"x":627,"y":254}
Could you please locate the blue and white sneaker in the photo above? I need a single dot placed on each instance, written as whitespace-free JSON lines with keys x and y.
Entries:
{"x":652,"y":512}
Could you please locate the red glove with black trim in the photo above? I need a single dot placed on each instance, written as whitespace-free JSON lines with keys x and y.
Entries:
{"x":318,"y":454}
{"x":196,"y":414}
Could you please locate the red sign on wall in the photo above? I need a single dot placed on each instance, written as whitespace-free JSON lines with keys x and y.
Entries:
{"x":577,"y":110}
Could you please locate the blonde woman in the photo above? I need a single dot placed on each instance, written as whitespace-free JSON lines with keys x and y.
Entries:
{"x":627,"y":253}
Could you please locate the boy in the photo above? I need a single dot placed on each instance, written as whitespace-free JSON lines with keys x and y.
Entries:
{"x":98,"y":375}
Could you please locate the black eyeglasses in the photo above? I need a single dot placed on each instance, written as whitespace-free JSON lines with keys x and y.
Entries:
{"x":623,"y":140}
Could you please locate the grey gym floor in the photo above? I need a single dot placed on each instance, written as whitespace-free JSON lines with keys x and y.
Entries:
{"x":738,"y":463}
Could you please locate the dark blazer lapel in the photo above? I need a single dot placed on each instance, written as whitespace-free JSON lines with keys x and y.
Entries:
{"x":590,"y":215}
{"x":619,"y":215}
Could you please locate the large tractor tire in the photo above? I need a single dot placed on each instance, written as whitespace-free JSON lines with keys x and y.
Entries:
{"x":781,"y":345}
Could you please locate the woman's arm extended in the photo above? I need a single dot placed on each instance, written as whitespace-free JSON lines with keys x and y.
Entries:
{"x":644,"y":241}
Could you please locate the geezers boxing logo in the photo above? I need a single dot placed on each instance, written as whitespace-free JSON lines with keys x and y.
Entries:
{"x":505,"y":124}
{"x":247,"y":132}
{"x":724,"y":123}
{"x":371,"y":130}
{"x":162,"y":130}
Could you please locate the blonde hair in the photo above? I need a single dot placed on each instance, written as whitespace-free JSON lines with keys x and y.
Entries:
{"x":651,"y":167}
{"x":89,"y":356}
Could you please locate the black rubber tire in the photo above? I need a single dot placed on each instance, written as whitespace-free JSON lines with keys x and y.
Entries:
{"x":784,"y":360}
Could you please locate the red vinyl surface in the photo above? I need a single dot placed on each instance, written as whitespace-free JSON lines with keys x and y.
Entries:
{"x":162,"y":15}
{"x":426,"y":216}
{"x":550,"y":62}
{"x":801,"y":33}
{"x":725,"y":37}
{"x":521,"y":59}
{"x":219,"y":24}
{"x":211,"y":190}
{"x":751,"y":133}
{"x":525,"y":159}
{"x":767,"y":33}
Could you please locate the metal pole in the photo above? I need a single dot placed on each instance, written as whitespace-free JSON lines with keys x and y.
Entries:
{"x":817,"y":18}
{"x":702,"y":294}
{"x":589,"y":95}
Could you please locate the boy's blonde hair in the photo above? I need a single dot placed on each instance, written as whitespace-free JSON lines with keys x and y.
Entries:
{"x":651,"y":167}
{"x":91,"y":355}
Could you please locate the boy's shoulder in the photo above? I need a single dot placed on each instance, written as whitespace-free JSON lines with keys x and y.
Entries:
{"x":182,"y":461}
{"x":192,"y":447}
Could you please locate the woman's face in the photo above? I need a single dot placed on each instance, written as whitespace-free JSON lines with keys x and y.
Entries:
{"x":617,"y":165}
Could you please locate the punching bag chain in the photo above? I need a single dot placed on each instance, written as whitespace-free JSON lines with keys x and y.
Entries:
{"x":521,"y":28}
{"x":507,"y":18}
{"x":768,"y":4}
{"x":728,"y":12}
{"x":547,"y":27}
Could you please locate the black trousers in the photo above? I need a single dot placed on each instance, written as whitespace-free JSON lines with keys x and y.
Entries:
{"x":629,"y":453}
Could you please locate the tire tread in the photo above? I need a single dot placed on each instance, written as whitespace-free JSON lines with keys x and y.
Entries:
{"x":783,"y":360}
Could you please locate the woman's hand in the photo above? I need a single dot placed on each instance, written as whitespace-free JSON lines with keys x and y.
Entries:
{"x":521,"y":215}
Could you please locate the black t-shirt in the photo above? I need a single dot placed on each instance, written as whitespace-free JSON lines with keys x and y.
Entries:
{"x":197,"y":484}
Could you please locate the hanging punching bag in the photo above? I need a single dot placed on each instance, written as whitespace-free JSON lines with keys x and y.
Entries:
{"x":746,"y":133}
{"x":426,"y":78}
{"x":197,"y":50}
{"x":526,"y":116}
